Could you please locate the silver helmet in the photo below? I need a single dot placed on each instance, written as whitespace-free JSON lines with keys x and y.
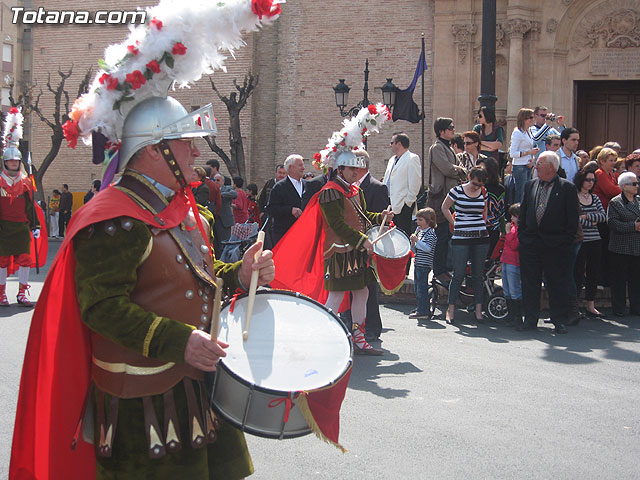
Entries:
{"x":350,"y":159}
{"x":158,"y":118}
{"x":11,"y":153}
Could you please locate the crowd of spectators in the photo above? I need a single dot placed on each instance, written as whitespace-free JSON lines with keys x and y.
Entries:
{"x":569,"y":218}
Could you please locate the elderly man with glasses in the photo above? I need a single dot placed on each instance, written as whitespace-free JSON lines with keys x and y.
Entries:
{"x":547,"y":228}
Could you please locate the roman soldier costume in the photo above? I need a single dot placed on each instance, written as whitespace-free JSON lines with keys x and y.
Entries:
{"x":19,"y":217}
{"x":335,"y":223}
{"x":105,"y":391}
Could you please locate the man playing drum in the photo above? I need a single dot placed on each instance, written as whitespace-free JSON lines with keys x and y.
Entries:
{"x":137,"y":269}
{"x":346,"y":247}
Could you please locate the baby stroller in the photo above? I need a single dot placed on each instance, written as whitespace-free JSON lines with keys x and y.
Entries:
{"x":243,"y":235}
{"x":495,"y":303}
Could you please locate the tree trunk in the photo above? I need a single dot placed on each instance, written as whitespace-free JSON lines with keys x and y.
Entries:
{"x":235,"y":141}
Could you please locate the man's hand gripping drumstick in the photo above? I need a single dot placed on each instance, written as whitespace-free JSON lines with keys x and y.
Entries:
{"x":252,"y":289}
{"x":203,"y":353}
{"x":205,"y":350}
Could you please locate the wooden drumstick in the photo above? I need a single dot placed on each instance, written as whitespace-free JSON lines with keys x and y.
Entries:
{"x":384,"y":220}
{"x":217,"y":304}
{"x":252,"y":290}
{"x":383,"y":235}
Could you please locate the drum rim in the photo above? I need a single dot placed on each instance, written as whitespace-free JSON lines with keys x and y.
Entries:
{"x":291,"y":293}
{"x":280,"y":393}
{"x":271,"y":391}
{"x":375,"y":227}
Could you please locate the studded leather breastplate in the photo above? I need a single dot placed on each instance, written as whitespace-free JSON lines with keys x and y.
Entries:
{"x":175,"y":280}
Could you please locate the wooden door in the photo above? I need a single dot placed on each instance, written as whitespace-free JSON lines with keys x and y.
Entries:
{"x":609,"y":111}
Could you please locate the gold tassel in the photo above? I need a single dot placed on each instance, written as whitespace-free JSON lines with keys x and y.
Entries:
{"x":302,"y":404}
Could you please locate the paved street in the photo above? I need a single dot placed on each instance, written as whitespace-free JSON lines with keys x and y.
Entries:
{"x":451,"y":402}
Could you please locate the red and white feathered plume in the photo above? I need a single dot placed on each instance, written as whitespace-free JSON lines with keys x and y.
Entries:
{"x":351,"y":136}
{"x":12,"y":128}
{"x":181,"y":41}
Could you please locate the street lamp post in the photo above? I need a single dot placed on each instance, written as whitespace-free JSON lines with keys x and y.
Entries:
{"x":487,"y":96}
{"x":341,"y":91}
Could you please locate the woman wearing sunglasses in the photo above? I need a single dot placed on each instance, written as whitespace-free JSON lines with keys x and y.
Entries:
{"x":470,"y":238}
{"x":623,"y":217}
{"x":588,"y":262}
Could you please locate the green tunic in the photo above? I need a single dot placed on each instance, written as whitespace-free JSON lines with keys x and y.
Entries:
{"x":337,"y":267}
{"x":106,"y":273}
{"x":15,"y":237}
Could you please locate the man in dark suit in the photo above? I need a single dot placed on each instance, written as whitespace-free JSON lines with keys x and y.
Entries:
{"x":547,"y":227}
{"x":285,"y":200}
{"x":376,"y":196}
{"x":312,"y":187}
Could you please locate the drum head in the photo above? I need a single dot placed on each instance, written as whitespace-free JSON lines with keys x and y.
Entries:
{"x":294,"y":343}
{"x":394,"y":245}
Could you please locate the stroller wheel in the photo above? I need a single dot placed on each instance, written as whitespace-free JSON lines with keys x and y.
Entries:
{"x":496,"y":306}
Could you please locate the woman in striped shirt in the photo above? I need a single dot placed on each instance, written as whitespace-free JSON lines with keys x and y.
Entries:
{"x":470,"y":238}
{"x":591,"y":214}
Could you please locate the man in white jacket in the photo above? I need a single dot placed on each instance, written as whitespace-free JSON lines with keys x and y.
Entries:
{"x":402,"y":178}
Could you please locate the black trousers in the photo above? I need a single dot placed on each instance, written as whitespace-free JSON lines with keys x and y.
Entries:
{"x":373,"y":325}
{"x":604,"y":277}
{"x":403,"y":219}
{"x":403,"y":222}
{"x":536,"y":260}
{"x":441,"y":252}
{"x":587,"y":269}
{"x":625,"y":279}
{"x":63,"y":220}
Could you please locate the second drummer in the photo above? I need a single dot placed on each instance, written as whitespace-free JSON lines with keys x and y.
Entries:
{"x":346,"y":247}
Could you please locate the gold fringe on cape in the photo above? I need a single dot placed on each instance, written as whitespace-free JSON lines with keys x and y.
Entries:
{"x":306,"y":413}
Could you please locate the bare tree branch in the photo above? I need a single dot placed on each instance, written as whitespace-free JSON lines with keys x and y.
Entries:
{"x":235,"y":102}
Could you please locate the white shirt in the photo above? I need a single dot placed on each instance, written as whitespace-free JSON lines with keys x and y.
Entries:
{"x":520,"y":142}
{"x":297,"y":184}
{"x":360,"y":180}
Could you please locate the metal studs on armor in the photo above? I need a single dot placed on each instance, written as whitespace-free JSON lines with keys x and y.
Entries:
{"x":204,"y":318}
{"x":186,"y":267}
{"x":199,"y":440}
{"x":156,"y":450}
{"x":127,"y":224}
{"x":189,"y":294}
{"x":200,"y":292}
{"x":201,"y":328}
{"x":205,"y":308}
{"x":205,"y":298}
{"x":204,"y":249}
{"x":110,"y":228}
{"x":179,"y":258}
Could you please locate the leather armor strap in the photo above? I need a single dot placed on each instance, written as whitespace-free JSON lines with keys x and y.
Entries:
{"x":208,"y":416}
{"x":171,"y":427}
{"x":167,"y":154}
{"x":152,"y":429}
{"x":195,"y":418}
{"x":150,"y":199}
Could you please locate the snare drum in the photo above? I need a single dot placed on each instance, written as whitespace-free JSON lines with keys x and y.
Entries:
{"x":389,"y":259}
{"x":295,"y":345}
{"x":394,"y":245}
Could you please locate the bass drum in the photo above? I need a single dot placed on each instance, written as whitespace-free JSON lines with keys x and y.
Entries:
{"x":295,"y":345}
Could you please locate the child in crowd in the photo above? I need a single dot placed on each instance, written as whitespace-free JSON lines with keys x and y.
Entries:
{"x":511,"y":269}
{"x":423,"y":244}
{"x":254,"y":212}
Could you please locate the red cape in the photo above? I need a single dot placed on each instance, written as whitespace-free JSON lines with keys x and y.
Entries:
{"x":41,"y":243}
{"x":57,"y":364}
{"x":304,"y":271}
{"x":300,"y":268}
